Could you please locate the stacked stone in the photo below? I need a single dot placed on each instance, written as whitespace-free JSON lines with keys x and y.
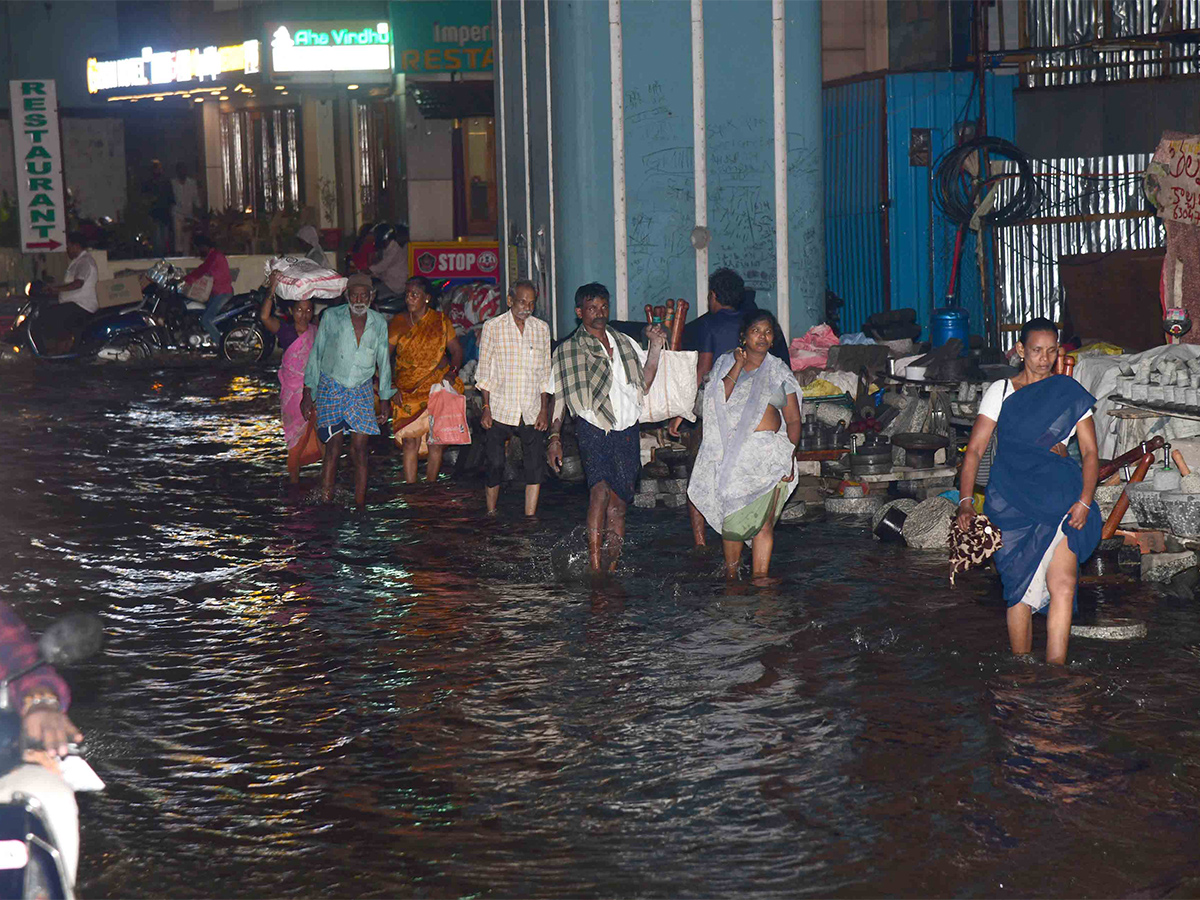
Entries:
{"x":670,"y":492}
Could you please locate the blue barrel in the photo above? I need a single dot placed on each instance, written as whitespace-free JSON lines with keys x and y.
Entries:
{"x":950,"y":322}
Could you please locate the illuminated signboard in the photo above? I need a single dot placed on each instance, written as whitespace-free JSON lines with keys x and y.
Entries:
{"x":172,"y":67}
{"x":356,"y":46}
{"x":443,"y":37}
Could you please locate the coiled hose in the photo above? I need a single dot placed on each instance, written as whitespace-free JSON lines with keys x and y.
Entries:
{"x":958,"y":194}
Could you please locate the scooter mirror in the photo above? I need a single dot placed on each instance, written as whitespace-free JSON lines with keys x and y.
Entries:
{"x":71,"y":639}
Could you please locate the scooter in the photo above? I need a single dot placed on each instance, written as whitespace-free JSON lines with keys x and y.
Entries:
{"x":30,"y":862}
{"x":243,"y":338}
{"x":119,"y":334}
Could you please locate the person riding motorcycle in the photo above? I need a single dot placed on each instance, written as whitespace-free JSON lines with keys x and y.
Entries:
{"x":41,"y":698}
{"x":390,"y":271}
{"x":77,"y":301}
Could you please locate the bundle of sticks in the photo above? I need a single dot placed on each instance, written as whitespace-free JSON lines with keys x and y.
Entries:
{"x":672,"y":316}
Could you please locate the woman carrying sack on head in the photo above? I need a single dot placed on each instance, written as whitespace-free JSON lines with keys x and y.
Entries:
{"x":1039,"y":498}
{"x":427,"y":353}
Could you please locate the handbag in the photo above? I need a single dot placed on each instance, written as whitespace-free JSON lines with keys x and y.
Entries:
{"x":447,"y":416}
{"x":974,"y":546}
{"x":200,"y":289}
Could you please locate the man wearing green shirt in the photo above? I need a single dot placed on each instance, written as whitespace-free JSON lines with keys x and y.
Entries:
{"x":351,"y":347}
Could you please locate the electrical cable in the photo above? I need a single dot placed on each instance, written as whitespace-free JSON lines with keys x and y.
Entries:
{"x":958,"y":194}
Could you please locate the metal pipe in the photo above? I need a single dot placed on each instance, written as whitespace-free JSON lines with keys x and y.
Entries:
{"x":699,"y":146}
{"x":504,"y":232}
{"x":550,"y":179}
{"x":525,"y":143}
{"x":779,"y":70}
{"x":620,"y":230}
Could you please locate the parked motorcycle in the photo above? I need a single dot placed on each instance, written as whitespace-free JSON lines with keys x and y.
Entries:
{"x":119,"y":334}
{"x":30,"y":862}
{"x":243,"y":337}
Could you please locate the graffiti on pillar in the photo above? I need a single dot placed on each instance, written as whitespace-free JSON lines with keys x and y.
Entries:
{"x":660,"y":192}
{"x":741,"y":198}
{"x":806,"y":239}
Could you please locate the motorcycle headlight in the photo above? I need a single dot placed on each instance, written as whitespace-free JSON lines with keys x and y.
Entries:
{"x":28,"y":287}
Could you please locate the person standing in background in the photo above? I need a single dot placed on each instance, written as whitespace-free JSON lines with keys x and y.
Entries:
{"x":308,"y":235}
{"x":392,"y":265}
{"x":514,"y":378}
{"x":157,"y":189}
{"x":186,"y":195}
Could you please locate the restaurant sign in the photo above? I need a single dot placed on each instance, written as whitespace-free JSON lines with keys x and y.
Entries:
{"x":442,"y":37}
{"x":38,"y":156}
{"x":340,"y":46}
{"x":156,"y":67}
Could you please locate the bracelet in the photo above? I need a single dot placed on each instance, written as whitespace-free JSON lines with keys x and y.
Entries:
{"x":43,"y":701}
{"x":966,"y":500}
{"x":555,"y":437}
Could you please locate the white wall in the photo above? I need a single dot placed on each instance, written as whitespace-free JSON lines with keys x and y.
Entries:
{"x":93,"y":162}
{"x":94,"y":165}
{"x":429,"y":145}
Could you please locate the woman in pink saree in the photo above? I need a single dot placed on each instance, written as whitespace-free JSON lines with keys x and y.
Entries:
{"x":296,"y":338}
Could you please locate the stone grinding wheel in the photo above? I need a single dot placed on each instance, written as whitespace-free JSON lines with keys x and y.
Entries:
{"x":1123,"y":630}
{"x":904,"y":504}
{"x":928,"y":524}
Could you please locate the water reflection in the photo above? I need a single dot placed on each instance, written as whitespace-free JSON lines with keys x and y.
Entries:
{"x":307,"y":700}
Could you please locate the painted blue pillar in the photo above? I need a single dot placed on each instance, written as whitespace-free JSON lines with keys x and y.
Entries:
{"x":806,"y":193}
{"x":660,"y":186}
{"x":582,"y":150}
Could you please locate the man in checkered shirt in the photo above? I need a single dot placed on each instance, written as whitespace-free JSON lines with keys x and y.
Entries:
{"x":514,"y":378}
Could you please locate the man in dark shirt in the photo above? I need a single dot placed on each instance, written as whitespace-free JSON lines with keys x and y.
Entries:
{"x":719,"y":330}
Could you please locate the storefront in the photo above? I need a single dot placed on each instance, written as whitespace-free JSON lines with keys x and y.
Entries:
{"x":298,"y":125}
{"x":443,"y":63}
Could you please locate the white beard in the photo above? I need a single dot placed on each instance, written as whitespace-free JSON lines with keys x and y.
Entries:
{"x":359,"y":309}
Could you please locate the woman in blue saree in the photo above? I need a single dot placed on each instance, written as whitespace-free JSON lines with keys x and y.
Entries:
{"x":1039,"y":498}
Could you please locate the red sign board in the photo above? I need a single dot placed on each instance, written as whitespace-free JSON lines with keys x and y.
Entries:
{"x":457,"y":260}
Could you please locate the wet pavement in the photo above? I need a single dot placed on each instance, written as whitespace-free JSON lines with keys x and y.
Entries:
{"x":300,"y":701}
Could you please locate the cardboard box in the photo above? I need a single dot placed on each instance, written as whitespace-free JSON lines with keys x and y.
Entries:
{"x":117,"y":291}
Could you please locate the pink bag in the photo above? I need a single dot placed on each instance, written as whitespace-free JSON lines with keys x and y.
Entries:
{"x":448,"y":416}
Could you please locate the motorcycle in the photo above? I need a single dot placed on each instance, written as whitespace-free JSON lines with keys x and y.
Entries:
{"x":119,"y":334}
{"x":243,"y":338}
{"x":30,"y":862}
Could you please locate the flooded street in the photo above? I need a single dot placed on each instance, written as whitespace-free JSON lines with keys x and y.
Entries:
{"x":300,"y":701}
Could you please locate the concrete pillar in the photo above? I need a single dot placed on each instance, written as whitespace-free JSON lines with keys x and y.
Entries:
{"x":320,"y":166}
{"x":806,"y":183}
{"x":213,"y":177}
{"x":658,"y":145}
{"x":582,"y":148}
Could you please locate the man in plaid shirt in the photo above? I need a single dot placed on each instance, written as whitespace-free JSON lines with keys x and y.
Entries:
{"x":601,"y":375}
{"x":514,"y":378}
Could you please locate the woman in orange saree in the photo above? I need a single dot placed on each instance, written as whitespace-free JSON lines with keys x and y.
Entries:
{"x":423,"y":339}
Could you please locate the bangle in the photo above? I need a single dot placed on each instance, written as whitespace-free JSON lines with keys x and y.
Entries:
{"x":40,"y":701}
{"x":555,"y":437}
{"x":966,"y":500}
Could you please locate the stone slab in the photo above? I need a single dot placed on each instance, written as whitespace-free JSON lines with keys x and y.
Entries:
{"x":904,"y":473}
{"x":1160,"y":568}
{"x":648,"y":485}
{"x":794,"y":512}
{"x":673,"y":486}
{"x":1125,"y":630}
{"x":808,"y":467}
{"x":673,"y":501}
{"x":856,"y":506}
{"x":645,"y":501}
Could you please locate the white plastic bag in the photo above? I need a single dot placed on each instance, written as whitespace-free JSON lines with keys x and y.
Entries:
{"x":302,"y":279}
{"x":673,"y":392}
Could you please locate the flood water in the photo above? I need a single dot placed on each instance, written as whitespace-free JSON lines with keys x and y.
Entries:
{"x":300,"y":701}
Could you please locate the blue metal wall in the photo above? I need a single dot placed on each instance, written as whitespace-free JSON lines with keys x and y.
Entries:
{"x":855,"y":261}
{"x":921,"y":240}
{"x":909,"y":265}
